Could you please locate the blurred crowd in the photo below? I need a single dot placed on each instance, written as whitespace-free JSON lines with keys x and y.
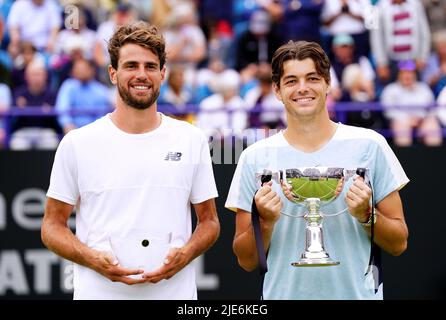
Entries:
{"x":53,"y":56}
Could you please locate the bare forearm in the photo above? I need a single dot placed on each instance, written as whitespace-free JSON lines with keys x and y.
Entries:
{"x":390,"y":234}
{"x":245,"y":246}
{"x":204,"y":236}
{"x":64,"y":243}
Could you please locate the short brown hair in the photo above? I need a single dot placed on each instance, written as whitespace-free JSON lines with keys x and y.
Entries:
{"x":300,"y":50}
{"x":140,"y":33}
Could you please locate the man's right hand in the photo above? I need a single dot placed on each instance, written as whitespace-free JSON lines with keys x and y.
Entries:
{"x":107,"y":265}
{"x":268,"y":203}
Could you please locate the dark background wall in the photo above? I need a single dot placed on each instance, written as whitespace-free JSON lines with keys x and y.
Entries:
{"x":29,"y":271}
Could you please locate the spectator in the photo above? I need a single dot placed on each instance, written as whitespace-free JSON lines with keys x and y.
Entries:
{"x":5,"y":103}
{"x":72,"y":44}
{"x":301,"y":20}
{"x":143,"y":9}
{"x":225,"y":109}
{"x":205,"y":76}
{"x":266,"y":111}
{"x":406,"y":104}
{"x":258,"y":43}
{"x":403,"y":34}
{"x":82,"y":94}
{"x":435,"y":72}
{"x":27,"y":54}
{"x":61,"y":66}
{"x":185,"y":41}
{"x":29,"y":132}
{"x":123,"y":14}
{"x":436,"y":14}
{"x":37,"y":21}
{"x":219,"y":38}
{"x":354,"y":73}
{"x":347,"y":17}
{"x":177,"y":94}
{"x":92,"y":11}
{"x":242,"y":11}
{"x":80,"y":34}
{"x":161,"y":10}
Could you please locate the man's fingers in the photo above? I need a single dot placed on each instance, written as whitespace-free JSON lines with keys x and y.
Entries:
{"x":263,"y":191}
{"x":275,"y":200}
{"x":157,"y":275}
{"x":129,"y":272}
{"x":265,"y":188}
{"x":277,"y":206}
{"x":128,"y":281}
{"x":360,"y":183}
{"x":154,"y":277}
{"x":361,"y":192}
{"x":352,"y":197}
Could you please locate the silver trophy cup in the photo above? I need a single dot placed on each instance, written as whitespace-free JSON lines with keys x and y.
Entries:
{"x":313,"y":187}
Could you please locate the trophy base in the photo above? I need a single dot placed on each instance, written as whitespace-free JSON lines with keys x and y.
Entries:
{"x":319,"y":262}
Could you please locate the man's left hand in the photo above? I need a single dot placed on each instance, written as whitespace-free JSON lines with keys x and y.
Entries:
{"x":358,"y":200}
{"x":175,"y":260}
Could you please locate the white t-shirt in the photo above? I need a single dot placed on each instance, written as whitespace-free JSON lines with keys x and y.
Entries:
{"x":216,"y":114}
{"x":35,"y":22}
{"x":400,"y":102}
{"x":194,"y":38}
{"x":272,"y":108}
{"x":132,"y":187}
{"x":344,"y":23}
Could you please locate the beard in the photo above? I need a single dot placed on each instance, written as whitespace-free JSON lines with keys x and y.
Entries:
{"x":141,"y":103}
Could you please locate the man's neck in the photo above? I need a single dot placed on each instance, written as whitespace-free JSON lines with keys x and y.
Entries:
{"x":136,"y":121}
{"x":310,"y":135}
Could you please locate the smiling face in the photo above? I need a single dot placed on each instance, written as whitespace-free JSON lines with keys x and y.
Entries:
{"x":138,"y":76}
{"x":301,"y":89}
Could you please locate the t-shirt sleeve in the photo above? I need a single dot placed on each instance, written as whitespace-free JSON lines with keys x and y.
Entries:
{"x":243,"y":185}
{"x":203,"y":185}
{"x":388,"y":174}
{"x":64,"y":175}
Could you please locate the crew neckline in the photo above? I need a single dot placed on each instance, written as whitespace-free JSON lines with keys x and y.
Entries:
{"x":119,"y":131}
{"x":321,"y":149}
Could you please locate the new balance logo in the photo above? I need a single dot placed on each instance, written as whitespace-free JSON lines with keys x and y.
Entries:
{"x":173,"y":156}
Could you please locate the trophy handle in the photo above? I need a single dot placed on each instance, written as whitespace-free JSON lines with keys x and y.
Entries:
{"x":361,"y":172}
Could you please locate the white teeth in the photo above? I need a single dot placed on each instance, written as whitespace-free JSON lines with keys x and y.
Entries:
{"x":304,"y":99}
{"x":141,"y":87}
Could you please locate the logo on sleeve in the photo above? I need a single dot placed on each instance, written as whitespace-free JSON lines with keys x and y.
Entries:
{"x":173,"y":156}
